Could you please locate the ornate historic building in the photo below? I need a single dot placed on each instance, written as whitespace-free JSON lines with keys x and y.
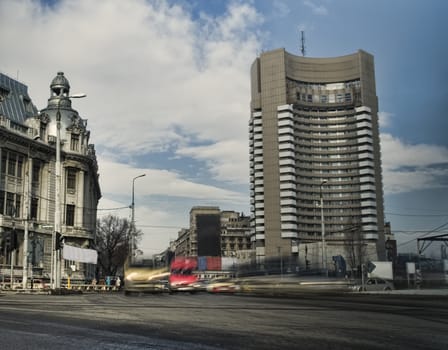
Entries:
{"x":29,"y":180}
{"x":314,"y":140}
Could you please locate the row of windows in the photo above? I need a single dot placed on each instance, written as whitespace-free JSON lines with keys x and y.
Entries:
{"x":12,"y":165}
{"x":316,"y":188}
{"x":311,"y":149}
{"x":331,"y":98}
{"x":10,"y":205}
{"x":300,"y":126}
{"x":232,"y":246}
{"x":337,"y":195}
{"x":326,"y":86}
{"x":307,"y":163}
{"x":74,"y":138}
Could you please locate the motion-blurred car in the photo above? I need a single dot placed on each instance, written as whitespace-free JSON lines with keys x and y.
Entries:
{"x":201,"y":285}
{"x":374,"y":284}
{"x":223,"y":285}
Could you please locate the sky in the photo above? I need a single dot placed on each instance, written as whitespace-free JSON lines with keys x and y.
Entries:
{"x":168,"y":94}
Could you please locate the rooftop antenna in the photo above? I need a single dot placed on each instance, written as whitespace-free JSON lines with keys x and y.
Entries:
{"x":302,"y":40}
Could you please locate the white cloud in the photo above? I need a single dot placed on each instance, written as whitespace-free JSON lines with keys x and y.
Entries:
{"x":280,"y":9}
{"x":118,"y":181}
{"x":145,"y":66}
{"x":317,"y":9}
{"x":385,"y":119}
{"x":217,"y":156}
{"x":156,"y":79}
{"x":159,"y":221}
{"x":408,"y":167}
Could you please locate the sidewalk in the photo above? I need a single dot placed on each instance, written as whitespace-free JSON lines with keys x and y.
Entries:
{"x":433,"y":291}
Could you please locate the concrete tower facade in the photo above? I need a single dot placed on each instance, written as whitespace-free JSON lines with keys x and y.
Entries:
{"x":314,"y":139}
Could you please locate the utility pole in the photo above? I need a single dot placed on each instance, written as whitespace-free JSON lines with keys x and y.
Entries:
{"x":28,"y":177}
{"x":132,"y":243}
{"x":13,"y":245}
{"x":57,"y":213}
{"x":324,"y":253}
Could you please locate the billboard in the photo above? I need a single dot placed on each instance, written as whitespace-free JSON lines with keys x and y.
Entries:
{"x":208,"y":228}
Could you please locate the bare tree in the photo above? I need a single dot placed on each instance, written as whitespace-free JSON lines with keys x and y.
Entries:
{"x":113,"y":242}
{"x":355,"y":246}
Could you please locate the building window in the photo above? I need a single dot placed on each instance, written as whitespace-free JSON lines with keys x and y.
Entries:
{"x":71,"y":179}
{"x":43,"y":131}
{"x":12,"y":205}
{"x":19,"y":166}
{"x":4,"y":164}
{"x":70,"y":215}
{"x":34,"y":207}
{"x":2,"y":202}
{"x":74,"y":143}
{"x":36,"y":171}
{"x":17,"y":205}
{"x":348,"y":97}
{"x":12,"y":164}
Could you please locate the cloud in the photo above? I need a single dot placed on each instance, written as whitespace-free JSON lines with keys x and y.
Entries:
{"x":385,"y":119}
{"x":217,"y":155}
{"x":408,"y":167}
{"x":317,"y":9}
{"x":156,"y":70}
{"x":156,"y":183}
{"x":158,"y":80}
{"x":163,"y":200}
{"x":279,"y":9}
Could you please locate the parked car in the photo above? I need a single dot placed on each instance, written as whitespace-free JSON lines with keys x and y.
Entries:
{"x":374,"y":284}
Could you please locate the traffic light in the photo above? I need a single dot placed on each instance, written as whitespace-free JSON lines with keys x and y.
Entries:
{"x":59,"y":241}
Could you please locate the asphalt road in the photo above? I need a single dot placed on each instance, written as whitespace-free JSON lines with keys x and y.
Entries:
{"x":204,"y":321}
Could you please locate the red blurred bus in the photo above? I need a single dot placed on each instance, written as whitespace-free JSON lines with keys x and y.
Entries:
{"x":182,"y":277}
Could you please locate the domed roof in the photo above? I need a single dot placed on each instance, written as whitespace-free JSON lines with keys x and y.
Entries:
{"x":60,"y":84}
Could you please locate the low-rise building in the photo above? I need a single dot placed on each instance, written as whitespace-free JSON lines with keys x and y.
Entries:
{"x":213,"y":232}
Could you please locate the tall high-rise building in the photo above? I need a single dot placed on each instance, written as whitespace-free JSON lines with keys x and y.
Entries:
{"x":314,"y":139}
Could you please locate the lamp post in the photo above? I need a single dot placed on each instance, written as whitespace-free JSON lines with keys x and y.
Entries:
{"x":131,"y":249}
{"x":56,"y":269}
{"x":324,"y":253}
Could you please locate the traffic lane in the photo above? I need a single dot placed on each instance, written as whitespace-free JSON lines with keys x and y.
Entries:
{"x":258,"y":323}
{"x":19,"y":331}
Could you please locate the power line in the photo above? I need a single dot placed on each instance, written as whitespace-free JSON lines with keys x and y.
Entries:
{"x":420,"y":215}
{"x":413,"y":232}
{"x":127,"y":207}
{"x":427,"y":233}
{"x":161,"y":226}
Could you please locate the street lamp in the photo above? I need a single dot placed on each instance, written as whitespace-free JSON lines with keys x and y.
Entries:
{"x":131,"y":250}
{"x":56,"y":270}
{"x":324,"y":253}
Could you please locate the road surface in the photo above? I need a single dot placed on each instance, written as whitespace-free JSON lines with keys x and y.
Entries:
{"x":205,"y":321}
